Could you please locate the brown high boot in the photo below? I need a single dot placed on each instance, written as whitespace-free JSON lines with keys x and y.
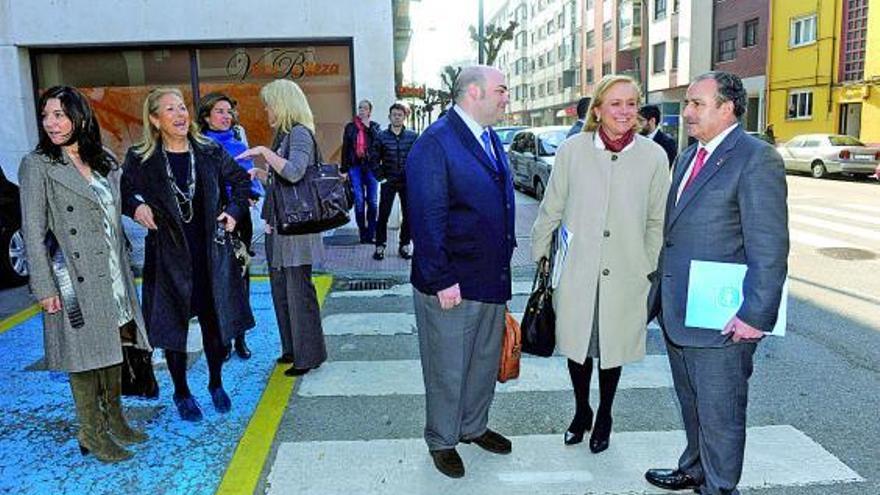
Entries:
{"x":111,"y":393}
{"x":93,"y":435}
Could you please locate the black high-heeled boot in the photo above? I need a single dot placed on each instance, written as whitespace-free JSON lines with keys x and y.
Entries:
{"x":601,"y":437}
{"x":583,"y":417}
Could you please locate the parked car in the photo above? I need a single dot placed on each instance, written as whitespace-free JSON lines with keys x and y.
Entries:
{"x":13,"y":262}
{"x":505,"y":134}
{"x":531,"y":157}
{"x":827,"y":154}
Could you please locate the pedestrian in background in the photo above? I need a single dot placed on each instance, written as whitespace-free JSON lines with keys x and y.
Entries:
{"x":606,"y":196}
{"x":218,"y":120}
{"x":357,"y":140}
{"x":290,"y":257}
{"x":389,"y":152}
{"x":649,"y":119}
{"x":462,"y":215}
{"x":727,"y":204}
{"x":70,"y":192}
{"x":582,"y":106}
{"x":172,"y":185}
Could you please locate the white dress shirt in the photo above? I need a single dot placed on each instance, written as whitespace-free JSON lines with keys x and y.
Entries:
{"x":710,"y":148}
{"x":474,"y":126}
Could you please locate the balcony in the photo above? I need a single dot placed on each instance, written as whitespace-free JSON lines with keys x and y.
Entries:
{"x":629,"y":25}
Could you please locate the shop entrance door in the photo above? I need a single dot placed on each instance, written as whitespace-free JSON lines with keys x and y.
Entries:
{"x":850,"y":119}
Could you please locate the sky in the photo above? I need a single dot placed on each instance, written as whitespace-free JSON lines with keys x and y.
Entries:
{"x":440,"y":37}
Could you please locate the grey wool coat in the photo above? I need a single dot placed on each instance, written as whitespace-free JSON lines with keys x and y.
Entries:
{"x":56,"y":198}
{"x":613,"y":204}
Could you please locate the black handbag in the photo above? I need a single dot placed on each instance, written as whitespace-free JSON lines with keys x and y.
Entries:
{"x":318,"y":202}
{"x":138,"y":378}
{"x":538,"y":326}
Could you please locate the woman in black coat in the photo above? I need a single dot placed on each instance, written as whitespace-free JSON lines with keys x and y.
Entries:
{"x":173,"y":184}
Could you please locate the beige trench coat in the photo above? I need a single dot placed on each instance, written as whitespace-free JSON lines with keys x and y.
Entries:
{"x":613,"y":205}
{"x":55,"y":197}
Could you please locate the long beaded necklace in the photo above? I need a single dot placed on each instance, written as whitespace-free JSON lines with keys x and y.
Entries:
{"x":184,"y":200}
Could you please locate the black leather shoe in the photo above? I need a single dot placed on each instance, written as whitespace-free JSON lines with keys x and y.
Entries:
{"x":575,"y":432}
{"x":601,"y":437}
{"x":294,"y":371}
{"x":491,"y":441}
{"x":285,"y":359}
{"x":671,"y":479}
{"x":403,"y":251}
{"x":241,"y":348}
{"x":448,"y":462}
{"x":379,"y":254}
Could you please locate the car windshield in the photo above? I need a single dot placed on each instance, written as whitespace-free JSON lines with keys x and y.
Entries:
{"x":506,"y":135}
{"x":550,"y":141}
{"x":844,"y":141}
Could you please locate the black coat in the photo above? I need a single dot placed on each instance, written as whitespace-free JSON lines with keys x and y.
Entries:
{"x":389,"y":153}
{"x":668,"y":145}
{"x":349,"y":139}
{"x":168,"y":273}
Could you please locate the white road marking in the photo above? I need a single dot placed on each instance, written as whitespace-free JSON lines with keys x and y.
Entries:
{"x":834,"y":212}
{"x":369,"y":324}
{"x":775,"y":456}
{"x":519,"y":288}
{"x":817,"y":241}
{"x":836,"y":227}
{"x":860,"y":207}
{"x":404,"y":377}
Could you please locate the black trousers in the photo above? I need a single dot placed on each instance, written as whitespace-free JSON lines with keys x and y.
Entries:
{"x":386,"y":202}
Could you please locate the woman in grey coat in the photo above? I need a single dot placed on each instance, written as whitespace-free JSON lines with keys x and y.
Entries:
{"x":70,"y":195}
{"x":291,"y":257}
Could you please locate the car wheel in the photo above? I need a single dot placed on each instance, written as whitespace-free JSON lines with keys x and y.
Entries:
{"x":13,"y":259}
{"x":818,"y":170}
{"x":539,"y":189}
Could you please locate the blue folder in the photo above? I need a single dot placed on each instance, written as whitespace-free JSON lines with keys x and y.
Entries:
{"x":715,"y":295}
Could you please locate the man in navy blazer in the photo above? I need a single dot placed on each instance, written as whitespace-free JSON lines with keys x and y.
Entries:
{"x":461,"y":210}
{"x":727,"y":204}
{"x":649,"y":118}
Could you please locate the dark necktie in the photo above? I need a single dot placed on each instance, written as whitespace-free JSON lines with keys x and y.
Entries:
{"x":487,"y":147}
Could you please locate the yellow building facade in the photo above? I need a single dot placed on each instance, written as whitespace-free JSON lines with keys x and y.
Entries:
{"x":806,"y":88}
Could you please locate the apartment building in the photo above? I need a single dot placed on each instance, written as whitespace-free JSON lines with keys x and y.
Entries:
{"x":824,"y":69}
{"x":543,"y":61}
{"x":612,"y":40}
{"x":740,"y":30}
{"x":677,"y":40}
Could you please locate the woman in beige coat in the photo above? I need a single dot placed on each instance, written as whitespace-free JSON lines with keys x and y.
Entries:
{"x":607,"y":192}
{"x":69,"y":189}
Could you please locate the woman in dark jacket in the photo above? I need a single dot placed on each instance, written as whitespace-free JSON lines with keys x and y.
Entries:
{"x":172,"y":184}
{"x":69,"y":193}
{"x":290,"y":257}
{"x":217,"y":120}
{"x":357,"y":140}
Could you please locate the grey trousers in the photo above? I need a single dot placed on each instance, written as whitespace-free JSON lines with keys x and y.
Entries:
{"x":460,"y":350}
{"x":712,"y":385}
{"x":298,"y":315}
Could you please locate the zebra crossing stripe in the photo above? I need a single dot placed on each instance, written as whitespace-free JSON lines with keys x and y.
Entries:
{"x":834,"y":212}
{"x":519,"y":288}
{"x":369,"y":324}
{"x":817,"y":241}
{"x":404,"y":377}
{"x":836,"y":227}
{"x":776,"y":456}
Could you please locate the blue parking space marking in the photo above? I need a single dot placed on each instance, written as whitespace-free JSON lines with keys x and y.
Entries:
{"x":38,"y":423}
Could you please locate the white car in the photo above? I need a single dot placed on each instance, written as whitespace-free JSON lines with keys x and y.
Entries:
{"x":827,"y":154}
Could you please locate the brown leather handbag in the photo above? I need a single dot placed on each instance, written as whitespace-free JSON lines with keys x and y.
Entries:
{"x":510,"y":349}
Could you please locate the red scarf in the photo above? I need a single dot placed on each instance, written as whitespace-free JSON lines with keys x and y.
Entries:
{"x":360,"y":144}
{"x":616,"y":145}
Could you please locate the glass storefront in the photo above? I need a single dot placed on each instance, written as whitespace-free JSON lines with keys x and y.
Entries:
{"x":117,"y":81}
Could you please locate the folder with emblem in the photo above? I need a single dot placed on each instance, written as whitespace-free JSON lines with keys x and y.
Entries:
{"x":715,"y":295}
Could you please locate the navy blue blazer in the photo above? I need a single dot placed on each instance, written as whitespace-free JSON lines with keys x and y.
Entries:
{"x":461,"y":213}
{"x":735,"y":211}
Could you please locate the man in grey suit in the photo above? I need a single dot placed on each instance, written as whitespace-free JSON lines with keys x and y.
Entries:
{"x":727,"y":204}
{"x":462,"y":212}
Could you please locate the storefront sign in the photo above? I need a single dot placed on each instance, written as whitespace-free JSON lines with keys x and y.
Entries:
{"x":277,"y":63}
{"x":411,"y":92}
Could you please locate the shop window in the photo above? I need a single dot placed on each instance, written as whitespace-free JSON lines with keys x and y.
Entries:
{"x":117,"y":82}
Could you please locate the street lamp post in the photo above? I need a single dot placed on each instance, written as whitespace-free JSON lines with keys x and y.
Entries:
{"x":480,"y":35}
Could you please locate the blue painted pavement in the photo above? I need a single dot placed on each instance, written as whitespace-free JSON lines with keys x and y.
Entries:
{"x":38,"y":448}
